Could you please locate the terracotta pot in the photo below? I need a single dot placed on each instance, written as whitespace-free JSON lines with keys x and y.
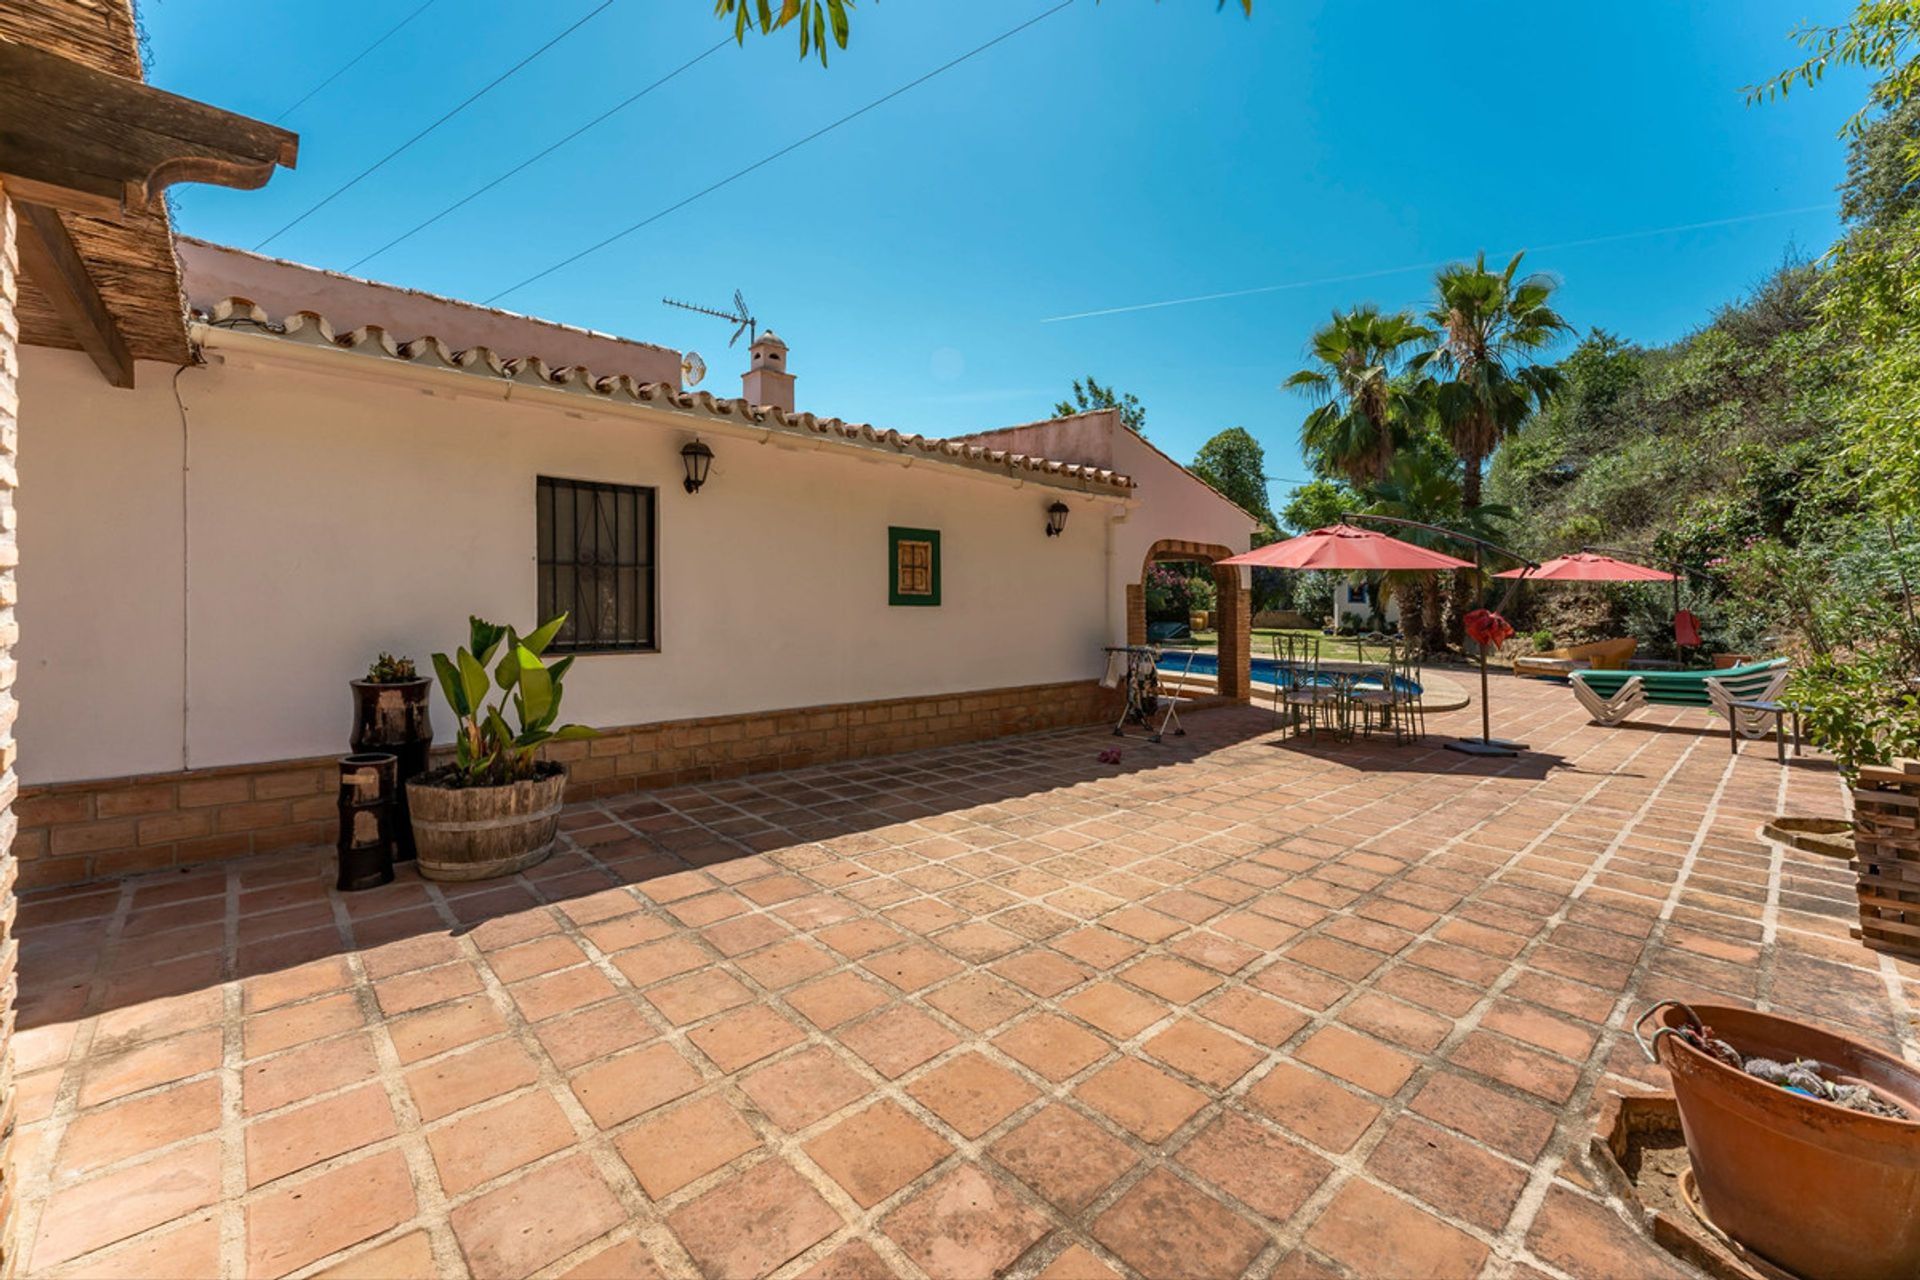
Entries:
{"x":471,"y":833}
{"x":1813,"y":1187}
{"x":1197,"y":621}
{"x":1721,"y":661}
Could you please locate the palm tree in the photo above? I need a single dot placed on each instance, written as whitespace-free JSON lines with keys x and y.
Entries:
{"x":1424,"y":484}
{"x":1491,"y":325}
{"x":1363,"y":402}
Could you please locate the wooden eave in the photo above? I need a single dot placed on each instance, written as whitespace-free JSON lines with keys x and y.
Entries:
{"x":85,"y":151}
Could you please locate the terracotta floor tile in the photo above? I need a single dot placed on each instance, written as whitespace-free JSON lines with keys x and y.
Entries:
{"x":576,"y":1038}
{"x":744,"y":1037}
{"x":627,"y":1260}
{"x":450,"y":1026}
{"x":1142,"y":924}
{"x":972,"y":1094}
{"x":1391,"y":1020}
{"x":1262,"y":1170}
{"x":873,"y":1153}
{"x":1051,"y":1045}
{"x":979,"y":1001}
{"x":1164,"y":1226}
{"x":425,"y":987}
{"x":1118,"y":1010}
{"x":854,"y":1260}
{"x":666,"y":958}
{"x":797,"y":1091}
{"x":1209,"y":1056}
{"x":407,"y":1257}
{"x":301,"y":1073}
{"x":753,"y":1222}
{"x":1312,"y":1106}
{"x":1141,"y":1099}
{"x":1357,"y":1059}
{"x":1254,"y":1016}
{"x":127,"y":1201}
{"x":482,"y":1145}
{"x":621,"y":1088}
{"x":1517,"y":1065}
{"x":784,"y":964}
{"x":698,"y":995}
{"x":672,"y":1148}
{"x":530,"y":959}
{"x":461,"y":1079}
{"x":107,"y":1078}
{"x":1063,"y":1156}
{"x":304,"y":1221}
{"x":912,"y":968}
{"x":1171,"y":979}
{"x":1042,"y":972}
{"x":291,"y":1140}
{"x":840,"y":998}
{"x":185,"y":1252}
{"x":897,"y":1040}
{"x":552,"y":994}
{"x":1376,"y":1234}
{"x":527,"y":1222}
{"x":1449,"y":1173}
{"x":1588,"y":1241}
{"x":297,"y":1024}
{"x":1520,"y":1129}
{"x":965,"y":1227}
{"x":107,"y":1135}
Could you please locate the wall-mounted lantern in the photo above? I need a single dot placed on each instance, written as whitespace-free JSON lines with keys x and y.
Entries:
{"x":1056,"y":519}
{"x":698,"y":458}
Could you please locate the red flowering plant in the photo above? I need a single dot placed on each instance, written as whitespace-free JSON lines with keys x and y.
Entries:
{"x":1487,"y":629}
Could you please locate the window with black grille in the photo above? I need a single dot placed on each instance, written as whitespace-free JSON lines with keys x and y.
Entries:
{"x":596,"y":560}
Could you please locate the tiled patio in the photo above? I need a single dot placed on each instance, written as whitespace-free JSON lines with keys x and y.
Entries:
{"x":1237,"y":1006}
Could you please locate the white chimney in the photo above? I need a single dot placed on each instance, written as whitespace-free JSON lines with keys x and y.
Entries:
{"x":766,"y":381}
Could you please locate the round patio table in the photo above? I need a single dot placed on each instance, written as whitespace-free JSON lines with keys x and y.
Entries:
{"x":1344,"y":676}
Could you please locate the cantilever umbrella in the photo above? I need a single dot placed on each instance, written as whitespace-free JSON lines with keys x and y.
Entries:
{"x":1346,"y":547}
{"x":1588,"y":566}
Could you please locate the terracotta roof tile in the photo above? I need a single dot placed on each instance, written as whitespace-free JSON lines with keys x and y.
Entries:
{"x":312,"y":329}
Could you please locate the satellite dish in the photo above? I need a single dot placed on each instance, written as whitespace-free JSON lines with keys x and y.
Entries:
{"x":692,"y":368}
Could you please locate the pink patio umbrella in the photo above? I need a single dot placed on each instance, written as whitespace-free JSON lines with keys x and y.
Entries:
{"x":1588,"y":566}
{"x":1345,"y":547}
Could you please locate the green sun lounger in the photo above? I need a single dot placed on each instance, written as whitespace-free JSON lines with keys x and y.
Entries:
{"x":1612,"y":696}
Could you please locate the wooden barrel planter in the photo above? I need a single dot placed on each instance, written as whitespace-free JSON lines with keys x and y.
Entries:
{"x":472,"y":833}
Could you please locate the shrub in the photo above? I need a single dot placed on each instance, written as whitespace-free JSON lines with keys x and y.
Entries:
{"x":487,"y":750}
{"x":1542,"y":640}
{"x":387,"y":669}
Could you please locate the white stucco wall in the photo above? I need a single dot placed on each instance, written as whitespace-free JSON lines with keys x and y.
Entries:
{"x":1180,"y":507}
{"x":214,"y":616}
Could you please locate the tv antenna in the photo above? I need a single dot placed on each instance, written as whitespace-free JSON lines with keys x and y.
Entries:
{"x":740,"y":316}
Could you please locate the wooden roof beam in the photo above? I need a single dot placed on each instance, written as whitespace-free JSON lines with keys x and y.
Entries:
{"x":51,"y":260}
{"x":87,"y":141}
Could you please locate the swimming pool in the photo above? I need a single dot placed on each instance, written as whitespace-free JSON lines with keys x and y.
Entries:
{"x":1265,"y":670}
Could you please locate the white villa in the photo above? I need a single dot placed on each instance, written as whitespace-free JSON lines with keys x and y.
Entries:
{"x":351,"y":467}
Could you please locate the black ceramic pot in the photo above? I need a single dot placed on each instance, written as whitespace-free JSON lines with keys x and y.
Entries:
{"x":394,"y":718}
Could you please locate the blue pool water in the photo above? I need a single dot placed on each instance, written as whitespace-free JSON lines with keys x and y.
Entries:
{"x":1265,"y":670}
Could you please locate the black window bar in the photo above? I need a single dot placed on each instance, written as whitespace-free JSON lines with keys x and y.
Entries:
{"x":596,"y":562}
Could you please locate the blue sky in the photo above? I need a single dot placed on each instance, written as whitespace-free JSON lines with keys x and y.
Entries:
{"x":1110,"y":155}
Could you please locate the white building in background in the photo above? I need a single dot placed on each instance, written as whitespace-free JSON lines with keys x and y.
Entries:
{"x":1353,"y":605}
{"x":354,"y":467}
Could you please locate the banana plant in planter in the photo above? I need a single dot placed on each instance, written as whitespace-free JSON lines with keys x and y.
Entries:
{"x":495,"y":809}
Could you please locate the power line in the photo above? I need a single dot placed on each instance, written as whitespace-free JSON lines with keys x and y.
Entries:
{"x":482,"y":92}
{"x":769,"y":159}
{"x":537,"y":156}
{"x":354,"y":61}
{"x":1431,"y":266}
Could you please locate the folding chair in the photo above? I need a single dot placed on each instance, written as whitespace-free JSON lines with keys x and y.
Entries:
{"x":1173,"y":699}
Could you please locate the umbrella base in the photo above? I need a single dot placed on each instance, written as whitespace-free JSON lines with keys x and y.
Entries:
{"x":1485,"y":746}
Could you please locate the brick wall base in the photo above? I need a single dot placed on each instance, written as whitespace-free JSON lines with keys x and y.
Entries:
{"x":73,"y":831}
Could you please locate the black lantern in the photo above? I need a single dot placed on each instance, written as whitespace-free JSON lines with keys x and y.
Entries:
{"x":697,"y":458}
{"x":1056,"y":519}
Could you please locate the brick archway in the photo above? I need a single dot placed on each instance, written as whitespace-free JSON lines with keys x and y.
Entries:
{"x":1232,"y":604}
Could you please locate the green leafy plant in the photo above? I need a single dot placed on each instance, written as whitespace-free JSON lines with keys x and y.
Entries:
{"x":1542,"y":640}
{"x":387,"y":669}
{"x":488,"y":751}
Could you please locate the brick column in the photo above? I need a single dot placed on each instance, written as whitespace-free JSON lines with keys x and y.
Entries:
{"x":9,"y":783}
{"x":1233,"y":604}
{"x":1136,"y":613}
